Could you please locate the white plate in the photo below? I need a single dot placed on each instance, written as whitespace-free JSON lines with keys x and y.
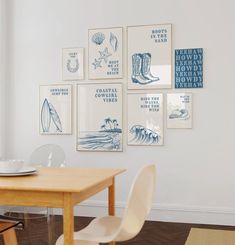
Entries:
{"x":21,"y":172}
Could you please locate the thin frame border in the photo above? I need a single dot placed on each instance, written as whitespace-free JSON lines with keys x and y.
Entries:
{"x":71,"y":123}
{"x":163,"y":128}
{"x":77,"y":124}
{"x":88,"y":54}
{"x":127,"y":48}
{"x":191,"y":108}
{"x":83,"y":61}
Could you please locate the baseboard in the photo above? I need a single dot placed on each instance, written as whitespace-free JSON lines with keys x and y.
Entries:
{"x":164,"y":212}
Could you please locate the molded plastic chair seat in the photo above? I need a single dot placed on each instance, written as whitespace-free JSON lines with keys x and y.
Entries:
{"x":111,"y":228}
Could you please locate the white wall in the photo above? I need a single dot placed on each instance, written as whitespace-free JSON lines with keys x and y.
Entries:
{"x":2,"y":75}
{"x":196,"y":168}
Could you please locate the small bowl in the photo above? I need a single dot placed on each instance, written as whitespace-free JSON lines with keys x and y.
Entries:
{"x":10,"y":166}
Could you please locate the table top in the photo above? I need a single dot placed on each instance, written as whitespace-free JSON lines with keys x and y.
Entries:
{"x":59,"y":179}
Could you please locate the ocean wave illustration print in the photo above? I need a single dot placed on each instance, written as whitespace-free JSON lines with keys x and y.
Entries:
{"x":107,"y":138}
{"x":98,"y":38}
{"x":113,"y":42}
{"x":179,"y":114}
{"x":144,"y":135}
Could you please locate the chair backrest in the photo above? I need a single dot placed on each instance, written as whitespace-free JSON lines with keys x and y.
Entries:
{"x":139,"y":203}
{"x":49,"y":155}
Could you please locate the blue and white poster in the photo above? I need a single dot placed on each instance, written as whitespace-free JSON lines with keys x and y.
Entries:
{"x":55,"y":109}
{"x":72,"y":63}
{"x":149,"y":56}
{"x":105,"y":53}
{"x":99,"y":117}
{"x":145,"y":119}
{"x":179,"y":110}
{"x":189,"y":68}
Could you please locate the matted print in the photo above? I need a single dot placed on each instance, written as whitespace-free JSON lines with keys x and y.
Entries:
{"x":73,"y":63}
{"x":149,"y":56}
{"x":99,"y":117}
{"x":55,"y":109}
{"x":145,"y":119}
{"x":179,"y":110}
{"x":105,"y":53}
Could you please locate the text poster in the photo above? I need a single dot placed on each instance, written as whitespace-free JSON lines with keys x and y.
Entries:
{"x":189,"y":68}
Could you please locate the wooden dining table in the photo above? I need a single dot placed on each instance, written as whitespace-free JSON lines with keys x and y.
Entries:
{"x":60,"y":188}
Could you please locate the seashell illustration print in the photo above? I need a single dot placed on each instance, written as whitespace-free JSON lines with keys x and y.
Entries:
{"x":98,"y":38}
{"x":45,"y":116}
{"x":113,"y":42}
{"x":55,"y":117}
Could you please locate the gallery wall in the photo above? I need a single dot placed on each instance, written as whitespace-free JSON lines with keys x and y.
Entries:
{"x":195,"y":167}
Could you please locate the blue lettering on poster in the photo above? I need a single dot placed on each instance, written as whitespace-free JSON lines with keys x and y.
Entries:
{"x":189,"y":68}
{"x":108,"y":95}
{"x":150,"y":103}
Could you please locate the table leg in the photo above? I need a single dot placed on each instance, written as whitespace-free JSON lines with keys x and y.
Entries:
{"x":68,"y":219}
{"x":9,"y":237}
{"x":112,"y":202}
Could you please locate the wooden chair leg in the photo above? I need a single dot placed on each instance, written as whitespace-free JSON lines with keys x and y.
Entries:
{"x":9,"y":237}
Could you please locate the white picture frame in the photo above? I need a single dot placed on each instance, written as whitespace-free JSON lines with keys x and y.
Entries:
{"x":179,"y":110}
{"x":72,"y":64}
{"x":55,"y":109}
{"x":105,"y":53}
{"x":149,"y":56}
{"x":145,"y":119}
{"x":99,"y":117}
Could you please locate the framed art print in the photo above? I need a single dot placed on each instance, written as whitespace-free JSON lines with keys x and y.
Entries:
{"x":145,"y":119}
{"x":179,"y":110}
{"x":99,"y":117}
{"x":149,"y":56}
{"x":73,"y":63}
{"x":105,"y":53}
{"x":55,"y":109}
{"x":189,"y":68}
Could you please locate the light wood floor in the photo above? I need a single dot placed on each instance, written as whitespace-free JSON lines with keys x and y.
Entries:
{"x":208,"y":236}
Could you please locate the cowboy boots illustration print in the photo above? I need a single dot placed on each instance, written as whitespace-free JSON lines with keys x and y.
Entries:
{"x":145,"y":68}
{"x":137,"y":76}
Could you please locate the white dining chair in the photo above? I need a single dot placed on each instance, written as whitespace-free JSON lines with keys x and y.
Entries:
{"x":111,"y":228}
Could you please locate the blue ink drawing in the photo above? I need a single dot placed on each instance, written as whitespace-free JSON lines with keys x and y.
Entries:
{"x":104,"y":55}
{"x":141,"y":73}
{"x":189,"y":68}
{"x":97,"y":63}
{"x":71,"y":67}
{"x":179,"y":114}
{"x":144,"y":135}
{"x":107,"y":138}
{"x":48,"y":114}
{"x":98,"y":38}
{"x":113,"y":42}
